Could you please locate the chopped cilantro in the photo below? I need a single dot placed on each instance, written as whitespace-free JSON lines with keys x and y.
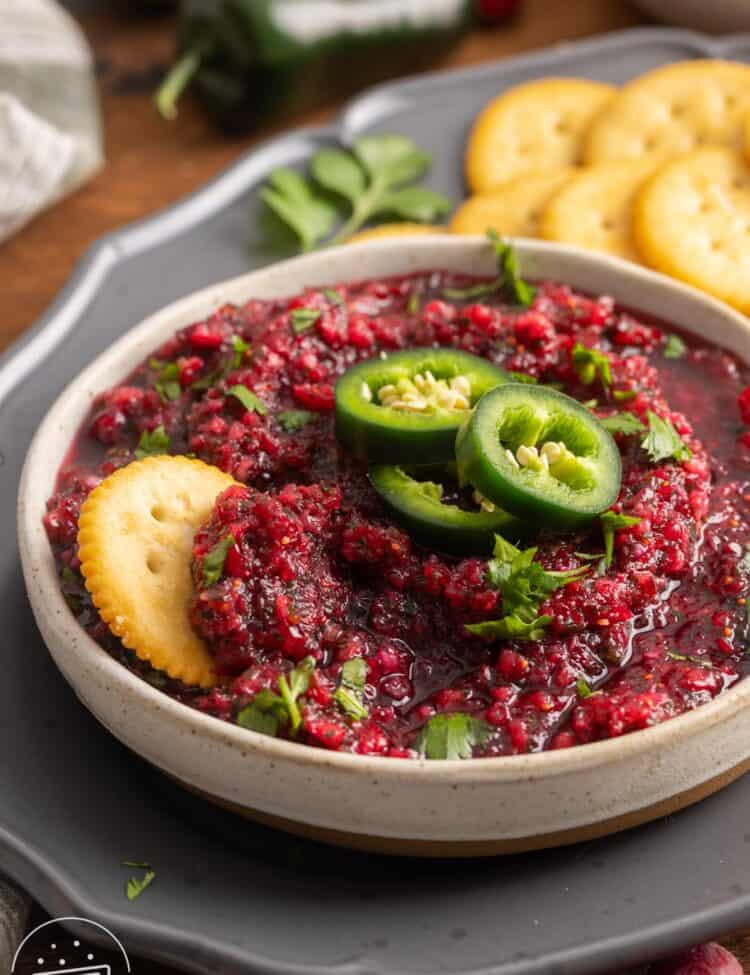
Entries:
{"x":621,"y":395}
{"x":293,"y":420}
{"x":213,"y":563}
{"x":239,"y":348}
{"x":167,"y":384}
{"x":591,"y":364}
{"x":674,"y":347}
{"x":511,"y":627}
{"x":626,"y":423}
{"x":335,"y":297}
{"x":451,"y":736}
{"x":663,"y":442}
{"x":304,"y":318}
{"x":350,"y":692}
{"x":267,"y":710}
{"x":136,"y":885}
{"x":583,"y":688}
{"x":611,"y":522}
{"x":508,"y":281}
{"x":152,"y":443}
{"x":524,"y":583}
{"x":248,"y":399}
{"x":697,"y":661}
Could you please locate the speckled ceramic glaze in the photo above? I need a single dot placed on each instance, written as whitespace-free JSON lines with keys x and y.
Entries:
{"x":451,"y":807}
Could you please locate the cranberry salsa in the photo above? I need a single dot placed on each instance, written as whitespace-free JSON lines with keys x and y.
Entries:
{"x":323,"y":588}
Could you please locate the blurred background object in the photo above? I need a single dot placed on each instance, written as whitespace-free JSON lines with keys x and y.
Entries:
{"x":50,"y":137}
{"x":714,"y":16}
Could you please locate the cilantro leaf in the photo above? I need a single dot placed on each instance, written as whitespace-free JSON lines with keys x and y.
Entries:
{"x":451,"y":736}
{"x":511,"y":627}
{"x":350,"y":692}
{"x":297,"y":203}
{"x":663,"y":442}
{"x":583,"y":688}
{"x":591,"y":364}
{"x":255,"y":718}
{"x":293,"y":420}
{"x":167,"y":384}
{"x":625,"y":423}
{"x":213,"y":562}
{"x":524,"y":583}
{"x":136,"y":885}
{"x":304,"y":318}
{"x":611,"y":522}
{"x":152,"y":443}
{"x":248,"y":399}
{"x":239,"y":348}
{"x":624,"y":394}
{"x":333,"y":296}
{"x":674,"y":347}
{"x":291,"y":689}
{"x":508,"y":281}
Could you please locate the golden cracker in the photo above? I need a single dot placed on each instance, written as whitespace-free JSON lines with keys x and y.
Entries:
{"x":405,"y":229}
{"x":135,"y":537}
{"x":672,"y":110}
{"x":594,"y":209}
{"x":691,"y":219}
{"x":534,"y":127}
{"x":513,"y":209}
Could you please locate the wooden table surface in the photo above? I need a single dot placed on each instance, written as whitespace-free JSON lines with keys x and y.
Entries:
{"x":151,"y":164}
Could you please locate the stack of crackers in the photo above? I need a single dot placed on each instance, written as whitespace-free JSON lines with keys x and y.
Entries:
{"x":653,"y":172}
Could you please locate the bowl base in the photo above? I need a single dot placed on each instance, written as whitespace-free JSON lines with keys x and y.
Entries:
{"x":397,"y":846}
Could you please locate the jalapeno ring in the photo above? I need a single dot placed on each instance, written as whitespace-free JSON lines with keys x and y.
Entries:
{"x":540,"y":455}
{"x":418,"y":507}
{"x":406,"y":408}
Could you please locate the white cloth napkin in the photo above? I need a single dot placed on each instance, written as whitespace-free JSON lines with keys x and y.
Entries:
{"x":50,"y":132}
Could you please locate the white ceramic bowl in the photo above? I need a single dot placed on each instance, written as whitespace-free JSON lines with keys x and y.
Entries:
{"x":431,"y":808}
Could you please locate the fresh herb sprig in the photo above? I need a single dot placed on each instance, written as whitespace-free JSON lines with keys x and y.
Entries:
{"x":663,"y":442}
{"x":377,"y":178}
{"x":524,"y":585}
{"x":451,"y":736}
{"x":624,"y":423}
{"x":152,"y":443}
{"x":508,"y":282}
{"x":269,"y":711}
{"x":611,"y":522}
{"x":592,"y":365}
{"x":350,"y":692}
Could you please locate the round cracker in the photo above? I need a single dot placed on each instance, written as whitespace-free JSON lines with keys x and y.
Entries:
{"x":595,"y":209}
{"x":396,"y":230}
{"x":535,"y":127}
{"x":513,"y":209}
{"x":672,"y":110}
{"x":135,"y":537}
{"x":691,"y":219}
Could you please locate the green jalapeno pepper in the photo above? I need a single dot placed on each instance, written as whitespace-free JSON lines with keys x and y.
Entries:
{"x":419,"y":506}
{"x":408,"y":407}
{"x":539,"y":454}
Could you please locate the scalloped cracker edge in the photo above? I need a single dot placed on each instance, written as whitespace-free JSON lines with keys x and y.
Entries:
{"x":135,"y":537}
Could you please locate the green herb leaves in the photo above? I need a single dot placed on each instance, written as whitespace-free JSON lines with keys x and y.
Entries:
{"x":591,"y":364}
{"x":508,"y":282}
{"x":167,"y":383}
{"x":524,"y":585}
{"x":136,"y":885}
{"x":304,"y":318}
{"x":611,"y":522}
{"x":625,"y":423}
{"x":268,"y":711}
{"x":583,"y":688}
{"x":152,"y":443}
{"x":293,"y":420}
{"x":248,"y":399}
{"x":350,"y":692}
{"x":369,"y":180}
{"x":213,"y":563}
{"x":451,"y":736}
{"x":663,"y":442}
{"x":674,"y":347}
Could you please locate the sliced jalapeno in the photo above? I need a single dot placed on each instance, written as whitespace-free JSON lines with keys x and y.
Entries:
{"x":408,"y":407}
{"x":539,"y":454}
{"x":425,"y":509}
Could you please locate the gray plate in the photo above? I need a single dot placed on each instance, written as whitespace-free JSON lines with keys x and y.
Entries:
{"x":235,"y":898}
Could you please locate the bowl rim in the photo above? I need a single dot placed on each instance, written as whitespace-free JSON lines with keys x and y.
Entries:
{"x":38,"y":564}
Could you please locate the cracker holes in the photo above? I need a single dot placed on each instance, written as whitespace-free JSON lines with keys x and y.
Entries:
{"x":562,"y":126}
{"x":158,"y":512}
{"x":154,"y":562}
